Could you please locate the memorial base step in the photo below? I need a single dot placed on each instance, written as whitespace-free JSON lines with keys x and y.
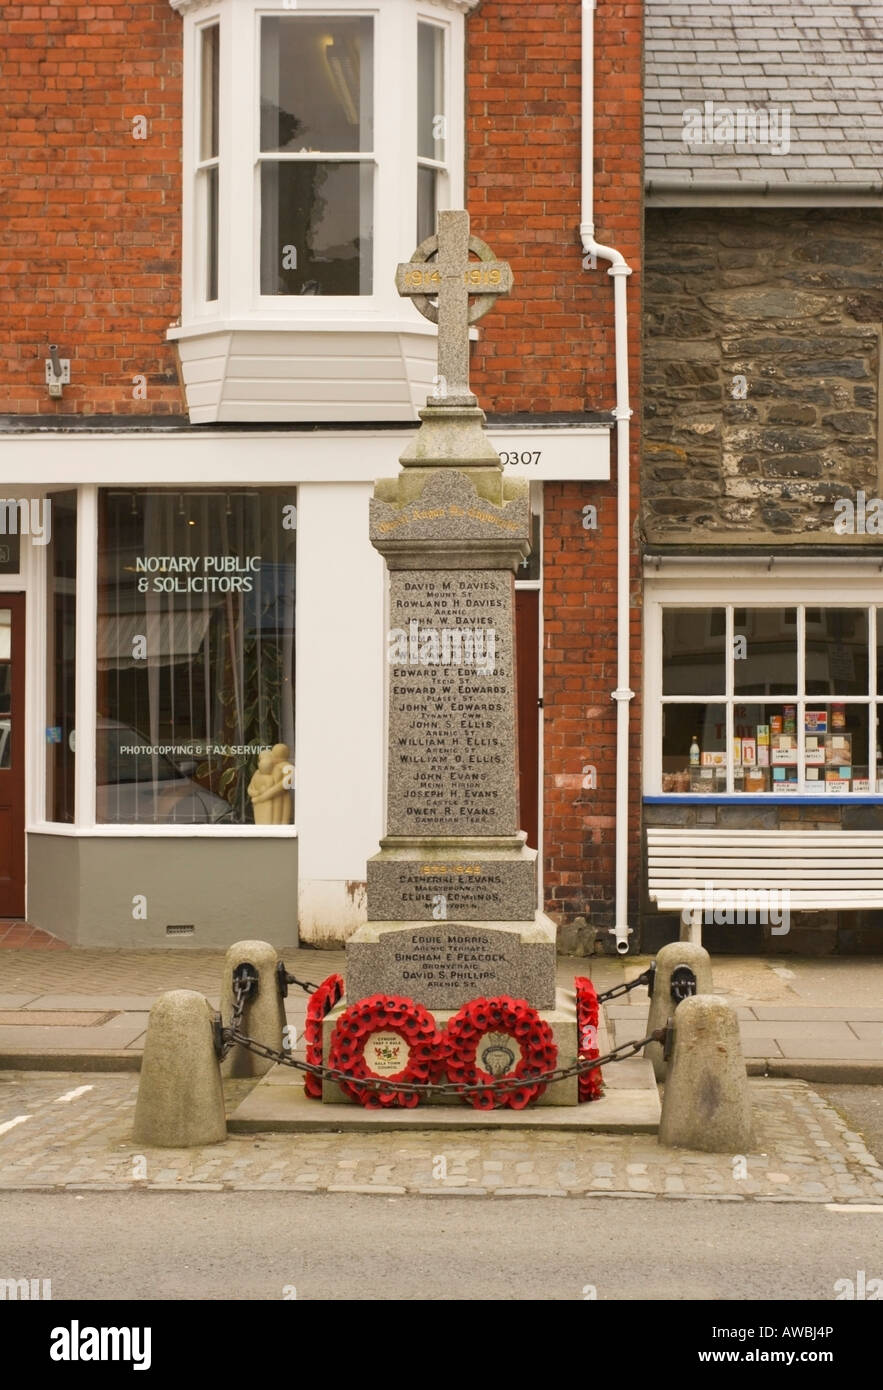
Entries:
{"x":278,"y":1104}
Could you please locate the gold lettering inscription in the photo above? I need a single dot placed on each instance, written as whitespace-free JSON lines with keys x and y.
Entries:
{"x":450,"y":869}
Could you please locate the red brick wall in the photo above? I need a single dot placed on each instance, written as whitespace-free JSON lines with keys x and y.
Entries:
{"x":549,"y":347}
{"x":91,"y":235}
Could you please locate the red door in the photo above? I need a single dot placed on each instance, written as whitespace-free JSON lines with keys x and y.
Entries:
{"x":12,"y":755}
{"x":527,"y":657}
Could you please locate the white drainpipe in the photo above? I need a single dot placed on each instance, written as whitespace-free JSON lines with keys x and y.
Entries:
{"x":620,"y":272}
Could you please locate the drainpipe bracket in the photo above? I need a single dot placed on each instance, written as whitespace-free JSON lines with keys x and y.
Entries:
{"x":621,"y":694}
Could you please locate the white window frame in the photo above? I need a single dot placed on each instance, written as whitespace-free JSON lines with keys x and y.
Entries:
{"x":802,"y":588}
{"x":239,"y":304}
{"x":440,"y":166}
{"x":202,"y":168}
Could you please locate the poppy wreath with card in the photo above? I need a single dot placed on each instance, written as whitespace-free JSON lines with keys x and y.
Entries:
{"x":591,"y":1085}
{"x":490,"y":1039}
{"x":388,"y":1037}
{"x":322,"y":1001}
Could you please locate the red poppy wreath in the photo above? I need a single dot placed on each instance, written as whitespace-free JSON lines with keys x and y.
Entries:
{"x":322,"y":1001}
{"x":494,"y":1038}
{"x":388,"y":1037}
{"x":591,"y":1086}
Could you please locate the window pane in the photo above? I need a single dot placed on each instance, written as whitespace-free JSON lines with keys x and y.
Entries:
{"x":430,"y":92}
{"x":209,"y":88}
{"x":316,"y":228}
{"x":765,"y":651}
{"x":317,"y":84}
{"x":764,"y":752}
{"x":61,"y":647}
{"x":846,"y":752}
{"x":211,"y":233}
{"x":694,"y":748}
{"x":836,"y":651}
{"x":693,"y":651}
{"x":195,"y":657}
{"x":427,"y":202}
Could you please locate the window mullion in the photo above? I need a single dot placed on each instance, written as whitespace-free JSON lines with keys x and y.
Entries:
{"x":729,"y":687}
{"x":801,"y":699}
{"x":872,"y":698}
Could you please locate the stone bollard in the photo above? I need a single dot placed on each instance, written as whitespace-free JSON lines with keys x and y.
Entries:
{"x":706,"y":1104}
{"x":662,"y":1006}
{"x":264,"y":1016}
{"x":180,"y":1098}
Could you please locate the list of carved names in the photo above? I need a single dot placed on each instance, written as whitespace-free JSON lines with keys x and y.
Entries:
{"x":452,"y":751}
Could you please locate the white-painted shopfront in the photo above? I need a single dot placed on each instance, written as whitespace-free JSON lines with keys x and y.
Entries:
{"x":262,"y":623}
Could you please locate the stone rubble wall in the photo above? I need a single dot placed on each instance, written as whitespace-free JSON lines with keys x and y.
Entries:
{"x":792,"y":300}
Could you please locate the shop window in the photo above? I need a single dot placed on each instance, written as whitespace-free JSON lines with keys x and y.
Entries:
{"x":796,"y":708}
{"x":195,"y":685}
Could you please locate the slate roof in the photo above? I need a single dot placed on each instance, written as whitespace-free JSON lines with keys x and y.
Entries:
{"x":818,"y":63}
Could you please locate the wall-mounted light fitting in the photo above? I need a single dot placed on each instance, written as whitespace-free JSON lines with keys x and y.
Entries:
{"x":58,"y":372}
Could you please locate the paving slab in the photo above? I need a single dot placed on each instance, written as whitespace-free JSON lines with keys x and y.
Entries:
{"x":854,"y":1050}
{"x":121,"y":1003}
{"x":824,"y":1031}
{"x":762,"y":1046}
{"x":56,"y":1018}
{"x":279,"y":1109}
{"x":805,"y":1013}
{"x":871,"y":1032}
{"x":122,"y":1032}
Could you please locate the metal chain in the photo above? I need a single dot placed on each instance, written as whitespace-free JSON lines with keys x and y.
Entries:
{"x":647,"y":979}
{"x":285,"y":978}
{"x":619,"y":1054}
{"x":245,"y":987}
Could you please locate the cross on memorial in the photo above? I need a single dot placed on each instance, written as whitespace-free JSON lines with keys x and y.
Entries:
{"x":440,"y":278}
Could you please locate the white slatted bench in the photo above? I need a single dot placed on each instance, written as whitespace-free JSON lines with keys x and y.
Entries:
{"x":823,"y":870}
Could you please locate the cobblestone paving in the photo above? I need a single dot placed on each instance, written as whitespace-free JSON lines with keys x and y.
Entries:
{"x":804,"y":1152}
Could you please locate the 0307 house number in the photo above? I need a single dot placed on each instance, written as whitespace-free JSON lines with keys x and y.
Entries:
{"x":520,"y":458}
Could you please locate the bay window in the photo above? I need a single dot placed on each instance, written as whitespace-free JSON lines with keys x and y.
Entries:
{"x":320,"y":144}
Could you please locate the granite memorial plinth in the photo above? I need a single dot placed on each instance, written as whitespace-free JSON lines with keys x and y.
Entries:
{"x":443,"y":965}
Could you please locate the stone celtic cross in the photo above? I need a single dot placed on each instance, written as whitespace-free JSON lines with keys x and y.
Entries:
{"x":440,"y":278}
